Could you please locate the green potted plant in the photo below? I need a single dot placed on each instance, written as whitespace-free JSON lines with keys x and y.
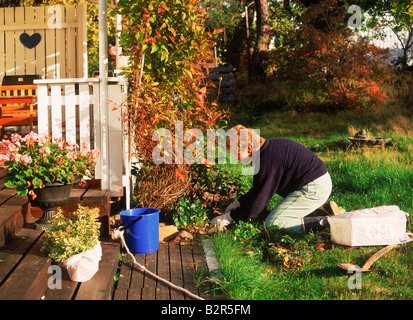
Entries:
{"x":74,"y":242}
{"x":44,"y":169}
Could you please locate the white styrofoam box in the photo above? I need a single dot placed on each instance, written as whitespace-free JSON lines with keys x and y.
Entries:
{"x":370,"y":227}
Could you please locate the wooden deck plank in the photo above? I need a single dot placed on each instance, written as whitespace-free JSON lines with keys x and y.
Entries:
{"x":67,"y":291}
{"x":163,"y":272}
{"x":7,"y":213}
{"x":16,"y":201}
{"x":188,"y":269}
{"x":122,"y":285}
{"x":135,"y":294}
{"x":126,"y":274}
{"x":11,"y":222}
{"x":6,"y":194}
{"x":95,"y":194}
{"x":137,"y":275}
{"x":29,"y":280}
{"x":120,"y":294}
{"x":162,"y":293}
{"x":148,"y":293}
{"x":11,"y":253}
{"x":101,"y":285}
{"x":150,"y":264}
{"x":176,"y":271}
{"x":202,"y":271}
{"x":76,"y":194}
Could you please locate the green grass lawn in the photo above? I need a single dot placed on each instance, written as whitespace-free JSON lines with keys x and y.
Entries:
{"x":266,"y":264}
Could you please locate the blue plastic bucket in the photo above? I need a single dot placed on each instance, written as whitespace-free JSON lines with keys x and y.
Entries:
{"x":141,"y":229}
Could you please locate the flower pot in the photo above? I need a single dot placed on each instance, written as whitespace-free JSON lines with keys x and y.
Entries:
{"x":49,"y":198}
{"x":83,"y":266}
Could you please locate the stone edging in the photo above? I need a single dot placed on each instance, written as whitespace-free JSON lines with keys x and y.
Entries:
{"x":211,"y":259}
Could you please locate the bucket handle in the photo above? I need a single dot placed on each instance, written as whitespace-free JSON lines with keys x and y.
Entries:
{"x":122,"y":228}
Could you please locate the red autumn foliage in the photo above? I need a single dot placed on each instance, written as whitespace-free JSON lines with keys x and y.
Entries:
{"x":329,"y":65}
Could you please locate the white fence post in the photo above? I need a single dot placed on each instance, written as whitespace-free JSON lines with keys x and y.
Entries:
{"x":42,"y":109}
{"x":70,"y":112}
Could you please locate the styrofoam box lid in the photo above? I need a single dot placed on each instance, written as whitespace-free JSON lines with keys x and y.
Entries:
{"x":384,"y":212}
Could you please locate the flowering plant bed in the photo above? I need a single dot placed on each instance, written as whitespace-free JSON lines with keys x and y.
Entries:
{"x":33,"y":161}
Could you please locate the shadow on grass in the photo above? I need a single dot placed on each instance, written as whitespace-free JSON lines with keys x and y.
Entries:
{"x":326,"y":272}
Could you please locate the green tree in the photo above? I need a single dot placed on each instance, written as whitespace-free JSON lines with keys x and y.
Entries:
{"x":246,"y":29}
{"x":258,"y":68}
{"x":224,"y":17}
{"x":398,"y":16}
{"x":9,"y":3}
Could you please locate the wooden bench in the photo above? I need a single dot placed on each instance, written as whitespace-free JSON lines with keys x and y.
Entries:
{"x":18,"y":106}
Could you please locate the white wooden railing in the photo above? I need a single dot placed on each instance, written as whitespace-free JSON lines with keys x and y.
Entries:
{"x":70,"y":108}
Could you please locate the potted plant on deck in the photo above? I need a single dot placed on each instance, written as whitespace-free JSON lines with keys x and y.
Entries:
{"x":44,"y":169}
{"x":74,"y":242}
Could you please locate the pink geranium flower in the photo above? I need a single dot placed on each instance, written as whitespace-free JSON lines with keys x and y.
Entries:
{"x":45,"y":150}
{"x":26,"y":159}
{"x":32,"y":136}
{"x":16,"y":157}
{"x":4,"y":158}
{"x":15,"y":138}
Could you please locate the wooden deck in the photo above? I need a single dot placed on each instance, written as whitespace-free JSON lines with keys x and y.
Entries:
{"x":183,"y":265}
{"x":25,"y":272}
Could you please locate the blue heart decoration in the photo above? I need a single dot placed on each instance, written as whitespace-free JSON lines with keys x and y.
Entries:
{"x":30,"y":41}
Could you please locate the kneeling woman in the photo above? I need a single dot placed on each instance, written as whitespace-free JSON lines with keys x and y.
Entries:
{"x":290,"y":170}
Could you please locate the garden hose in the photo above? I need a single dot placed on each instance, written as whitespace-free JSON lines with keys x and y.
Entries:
{"x":119,"y":233}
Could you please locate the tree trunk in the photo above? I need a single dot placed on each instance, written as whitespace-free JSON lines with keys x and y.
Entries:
{"x":260,"y":55}
{"x":406,"y":49}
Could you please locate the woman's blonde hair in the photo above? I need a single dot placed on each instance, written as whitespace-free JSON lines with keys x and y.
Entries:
{"x":252,"y":136}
